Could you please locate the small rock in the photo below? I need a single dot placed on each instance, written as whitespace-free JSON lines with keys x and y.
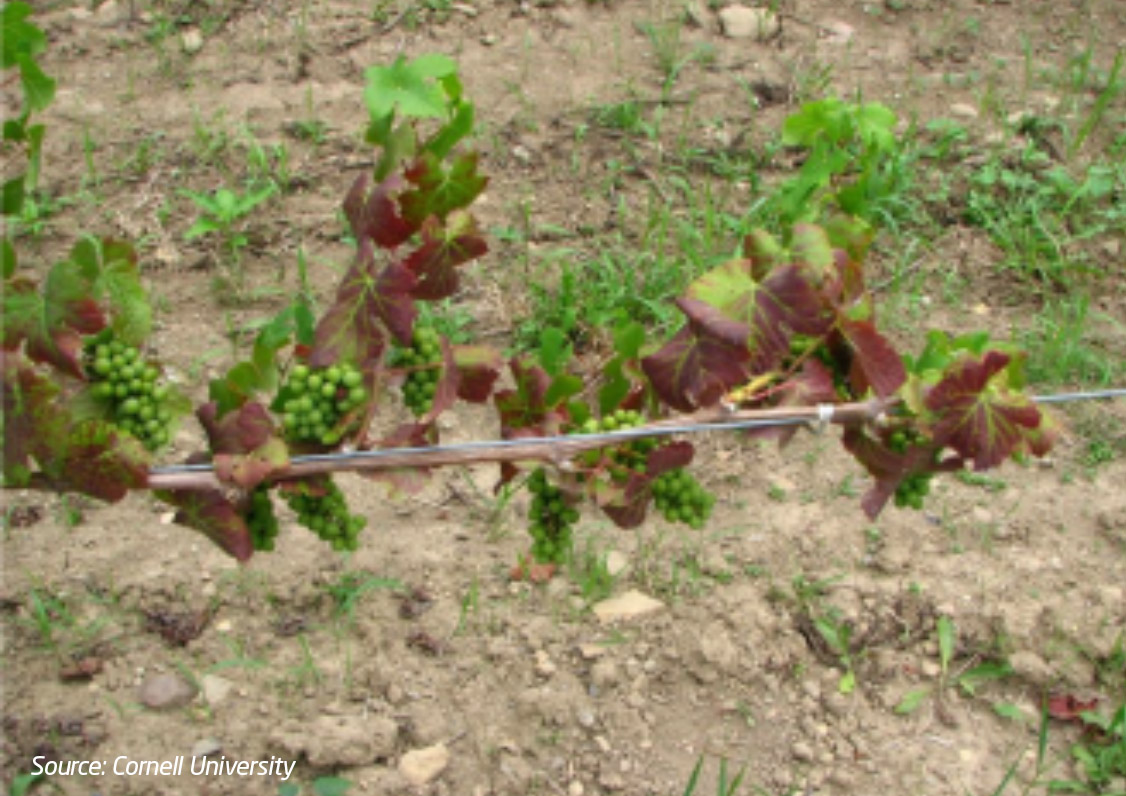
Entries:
{"x":631,"y":605}
{"x":930,"y":669}
{"x":215,"y":688}
{"x":191,"y":40}
{"x":163,"y":691}
{"x":489,"y":39}
{"x":575,"y":788}
{"x":963,"y":110}
{"x":422,"y":766}
{"x":586,"y":718}
{"x":740,"y":22}
{"x":616,"y":563}
{"x":108,"y":14}
{"x":1031,"y":667}
{"x":207,"y":747}
{"x":837,"y":32}
{"x":604,"y":673}
{"x":802,"y":752}
{"x":464,"y":8}
{"x":544,"y":666}
{"x":592,"y":652}
{"x":522,"y":154}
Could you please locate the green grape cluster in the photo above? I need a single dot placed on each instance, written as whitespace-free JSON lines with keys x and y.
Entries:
{"x":423,"y":358}
{"x":550,"y":519}
{"x":260,"y":519}
{"x":327,"y":516}
{"x":681,"y":498}
{"x":120,"y":375}
{"x":913,"y":489}
{"x":631,"y":455}
{"x":314,"y":399}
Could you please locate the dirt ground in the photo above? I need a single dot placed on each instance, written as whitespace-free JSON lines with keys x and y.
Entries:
{"x":525,"y":689}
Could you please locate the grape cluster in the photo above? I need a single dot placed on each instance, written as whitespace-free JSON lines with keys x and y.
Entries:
{"x":120,"y":376}
{"x":314,"y":399}
{"x":550,"y":519}
{"x":629,"y":456}
{"x":681,"y":498}
{"x":423,"y":358}
{"x":914,"y":488}
{"x":260,"y":519}
{"x":327,"y":515}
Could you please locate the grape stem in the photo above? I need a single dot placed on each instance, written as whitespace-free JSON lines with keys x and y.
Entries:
{"x":554,"y":450}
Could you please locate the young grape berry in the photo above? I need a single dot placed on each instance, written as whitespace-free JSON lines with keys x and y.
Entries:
{"x":121,"y":377}
{"x":313,"y":400}
{"x":632,"y":455}
{"x":327,"y":516}
{"x":260,"y":519}
{"x":681,"y":498}
{"x":914,"y":488}
{"x":423,"y":359}
{"x":550,"y":520}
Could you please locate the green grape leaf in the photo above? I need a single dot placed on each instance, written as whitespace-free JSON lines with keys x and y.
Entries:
{"x":478,"y":368}
{"x":260,"y":372}
{"x":810,"y":249}
{"x":409,"y":87}
{"x":443,"y":248}
{"x":875,"y":124}
{"x":38,"y":88}
{"x":373,"y":213}
{"x":824,"y":120}
{"x":239,"y":431}
{"x":563,"y":387}
{"x":11,"y":201}
{"x":210,"y":512}
{"x":250,"y":469}
{"x":524,"y":411}
{"x":629,"y":337}
{"x":458,"y":127}
{"x":53,"y":321}
{"x":366,"y":302}
{"x":110,"y":267}
{"x":555,"y":350}
{"x":18,"y":37}
{"x":439,"y":191}
{"x":615,"y":386}
{"x":764,"y":253}
{"x":8,"y":258}
{"x":976,"y":414}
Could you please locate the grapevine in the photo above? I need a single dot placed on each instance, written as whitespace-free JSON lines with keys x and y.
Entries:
{"x":786,"y":323}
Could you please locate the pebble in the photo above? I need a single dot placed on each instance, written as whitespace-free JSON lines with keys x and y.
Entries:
{"x":206,"y":747}
{"x":604,"y":673}
{"x":191,"y":40}
{"x":421,"y":766}
{"x":631,"y":605}
{"x":802,"y":752}
{"x":544,"y":667}
{"x":215,"y":689}
{"x":575,"y":788}
{"x":163,"y":691}
{"x":616,"y":563}
{"x":740,"y":22}
{"x":963,"y":110}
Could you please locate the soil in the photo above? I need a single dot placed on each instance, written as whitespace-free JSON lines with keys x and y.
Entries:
{"x":524,"y":688}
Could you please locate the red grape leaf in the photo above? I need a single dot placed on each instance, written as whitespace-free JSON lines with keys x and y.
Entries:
{"x":696,"y":368}
{"x":209,"y":511}
{"x":438,"y":192}
{"x":627,"y":506}
{"x":889,"y":467}
{"x":523,"y":411}
{"x":52,"y":321}
{"x":810,"y":248}
{"x":443,"y":248}
{"x":771,"y":309}
{"x":98,"y":460}
{"x":446,"y":391}
{"x":250,"y":469}
{"x":764,"y":253}
{"x":352,"y":329}
{"x":479,"y":367}
{"x":875,"y":362}
{"x":813,"y":385}
{"x":239,"y":431}
{"x":374,"y":215}
{"x":979,"y":417}
{"x":31,"y":420}
{"x":1068,"y":707}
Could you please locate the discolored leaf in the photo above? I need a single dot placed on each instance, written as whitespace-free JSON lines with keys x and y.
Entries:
{"x":479,"y":367}
{"x":524,"y":411}
{"x":250,"y":469}
{"x":695,"y":368}
{"x":405,"y":480}
{"x":211,"y":513}
{"x":875,"y":363}
{"x":1068,"y":707}
{"x":239,"y":431}
{"x":443,"y":248}
{"x":97,"y":460}
{"x":439,"y":191}
{"x":375,"y":215}
{"x":978,"y":416}
{"x":890,"y":467}
{"x":110,"y":267}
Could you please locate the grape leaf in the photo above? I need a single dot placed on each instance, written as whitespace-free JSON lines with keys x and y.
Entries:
{"x":52,"y":321}
{"x":18,"y":37}
{"x":405,"y":480}
{"x":976,"y":415}
{"x":443,"y":248}
{"x":696,"y":368}
{"x":352,"y":329}
{"x":764,"y":252}
{"x":236,"y":432}
{"x":111,"y":268}
{"x":446,"y":391}
{"x":31,"y":421}
{"x":97,"y":460}
{"x":210,"y":512}
{"x":408,"y":86}
{"x":810,"y":248}
{"x":439,"y":191}
{"x":38,"y":88}
{"x":373,"y":214}
{"x":260,"y":372}
{"x":479,"y":367}
{"x":250,"y":469}
{"x":627,"y":506}
{"x":875,"y":363}
{"x":889,"y":467}
{"x":524,"y":411}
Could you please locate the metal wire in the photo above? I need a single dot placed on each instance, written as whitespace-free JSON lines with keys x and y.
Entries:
{"x":606,"y":436}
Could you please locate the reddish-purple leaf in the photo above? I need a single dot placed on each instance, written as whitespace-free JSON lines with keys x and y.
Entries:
{"x":443,"y":248}
{"x":217,"y":518}
{"x":53,"y":321}
{"x":1068,"y":707}
{"x":670,"y":456}
{"x":523,"y":411}
{"x":875,"y":363}
{"x":626,"y":505}
{"x":250,"y":469}
{"x":813,"y":385}
{"x":239,"y":431}
{"x":810,"y":249}
{"x":373,"y":214}
{"x":890,"y":468}
{"x":764,"y":253}
{"x":695,"y":369}
{"x":980,"y":419}
{"x":479,"y":367}
{"x":30,"y":415}
{"x":99,"y":461}
{"x":438,"y":191}
{"x":366,"y":303}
